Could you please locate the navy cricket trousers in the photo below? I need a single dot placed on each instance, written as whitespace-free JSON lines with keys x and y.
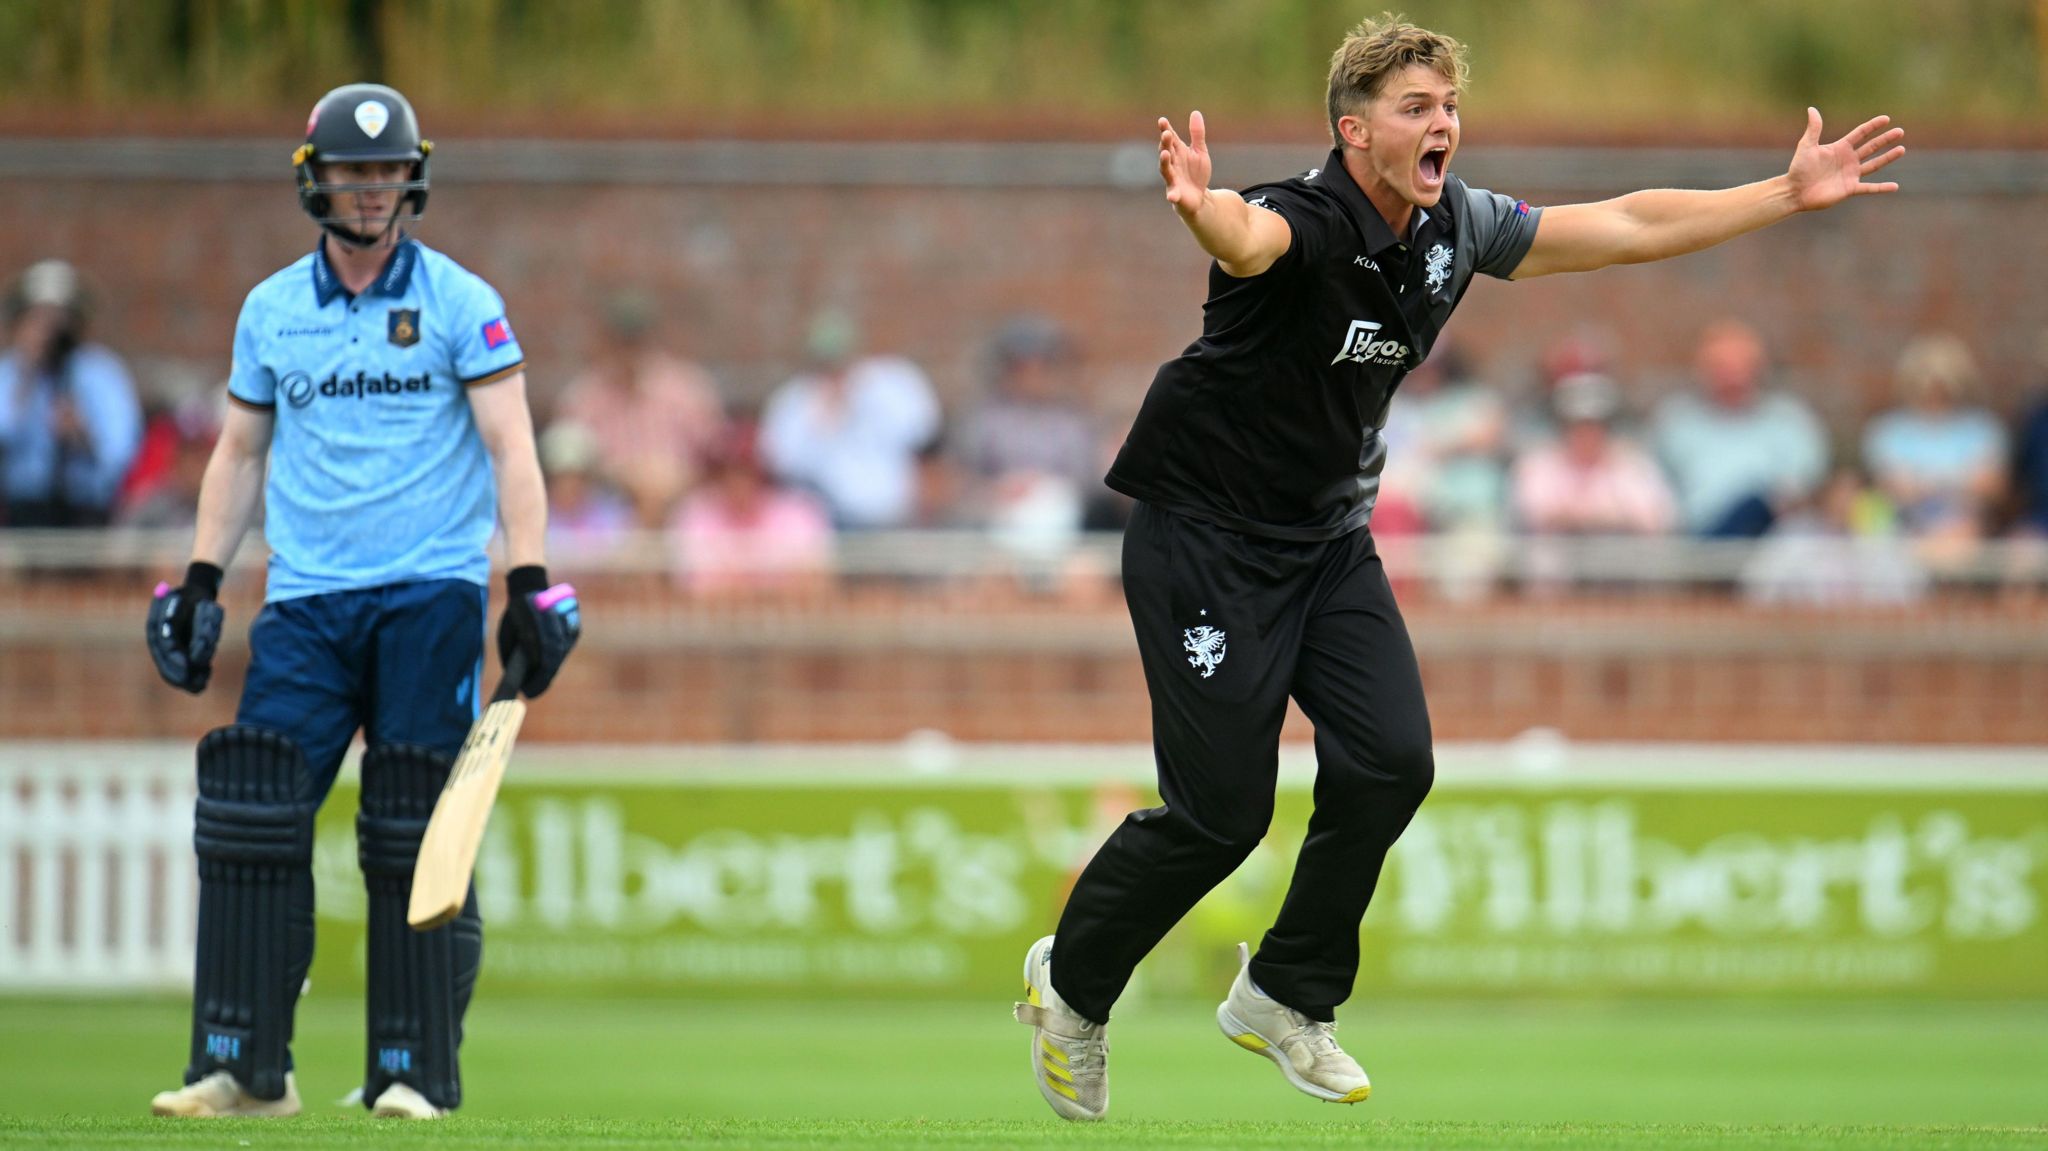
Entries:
{"x":403,"y":662}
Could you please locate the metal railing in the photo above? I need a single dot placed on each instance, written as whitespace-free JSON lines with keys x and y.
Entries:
{"x":1125,"y":165}
{"x":1811,"y":568}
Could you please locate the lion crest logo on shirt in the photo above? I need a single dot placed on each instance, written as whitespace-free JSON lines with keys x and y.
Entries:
{"x":405,"y":327}
{"x":1436,"y":268}
{"x":1205,"y":647}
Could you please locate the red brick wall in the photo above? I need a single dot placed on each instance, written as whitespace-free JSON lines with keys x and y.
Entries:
{"x":737,"y":271}
{"x":878,"y":666}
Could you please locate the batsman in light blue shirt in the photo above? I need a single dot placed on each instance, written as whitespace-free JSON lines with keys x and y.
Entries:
{"x":379,"y":472}
{"x":379,"y":412}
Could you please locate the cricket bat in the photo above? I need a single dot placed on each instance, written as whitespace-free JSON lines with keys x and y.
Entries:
{"x":440,"y":877}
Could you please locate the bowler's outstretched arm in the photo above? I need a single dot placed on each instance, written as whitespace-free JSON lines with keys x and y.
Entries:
{"x":1243,"y":242}
{"x":1664,"y":222}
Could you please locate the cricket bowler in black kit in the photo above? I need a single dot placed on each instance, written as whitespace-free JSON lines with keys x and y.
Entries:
{"x":1249,"y":564}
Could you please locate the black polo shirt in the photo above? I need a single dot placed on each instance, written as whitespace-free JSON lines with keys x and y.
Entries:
{"x":1270,"y":423}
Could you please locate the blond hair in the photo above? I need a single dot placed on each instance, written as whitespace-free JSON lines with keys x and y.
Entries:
{"x":1377,"y":50}
{"x":1937,"y":364}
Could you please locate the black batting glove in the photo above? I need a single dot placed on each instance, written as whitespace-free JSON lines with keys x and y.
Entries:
{"x":184,"y":628}
{"x":541,"y":620}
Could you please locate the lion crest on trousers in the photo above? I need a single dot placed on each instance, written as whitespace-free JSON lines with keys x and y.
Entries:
{"x":1205,"y":646}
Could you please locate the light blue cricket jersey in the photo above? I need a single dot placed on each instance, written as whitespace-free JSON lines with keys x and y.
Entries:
{"x":377,"y":472}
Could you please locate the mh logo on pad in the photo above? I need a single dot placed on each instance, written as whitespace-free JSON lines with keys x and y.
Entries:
{"x":1363,"y":345}
{"x":394,"y":1059}
{"x":227,"y":1047}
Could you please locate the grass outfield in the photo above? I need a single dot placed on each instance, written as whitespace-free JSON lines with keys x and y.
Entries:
{"x":472,"y":1133}
{"x":666,"y":1073}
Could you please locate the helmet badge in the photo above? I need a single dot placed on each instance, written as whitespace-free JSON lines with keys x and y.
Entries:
{"x":371,"y":116}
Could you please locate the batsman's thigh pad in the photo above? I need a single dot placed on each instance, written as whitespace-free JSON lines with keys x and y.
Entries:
{"x":419,"y":981}
{"x":253,"y":834}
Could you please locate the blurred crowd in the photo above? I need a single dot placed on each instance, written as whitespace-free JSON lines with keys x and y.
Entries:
{"x":1831,"y":514}
{"x":754,"y":499}
{"x":757,"y":499}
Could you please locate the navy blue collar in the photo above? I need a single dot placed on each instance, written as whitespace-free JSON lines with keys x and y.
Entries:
{"x":392,"y":282}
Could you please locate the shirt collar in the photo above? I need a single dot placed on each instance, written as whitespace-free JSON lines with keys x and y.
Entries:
{"x":391,"y":282}
{"x":1378,"y":237}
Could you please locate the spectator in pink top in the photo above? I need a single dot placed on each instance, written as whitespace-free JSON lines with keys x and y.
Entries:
{"x":739,"y":535}
{"x":1589,"y":481}
{"x":655,"y":416}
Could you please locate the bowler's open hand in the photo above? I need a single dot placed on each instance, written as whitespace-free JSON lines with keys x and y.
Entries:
{"x":1185,"y":166}
{"x":1823,"y":175}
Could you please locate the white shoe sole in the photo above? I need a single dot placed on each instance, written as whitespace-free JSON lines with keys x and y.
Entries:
{"x":191,"y":1109}
{"x":400,"y":1101}
{"x":1062,"y":1106}
{"x":1235,"y":1030}
{"x":388,"y":1112}
{"x":204,"y":1100}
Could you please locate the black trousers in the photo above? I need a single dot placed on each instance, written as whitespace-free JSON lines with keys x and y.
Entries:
{"x":1229,"y":626}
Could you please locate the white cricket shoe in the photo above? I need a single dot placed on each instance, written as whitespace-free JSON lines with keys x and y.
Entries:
{"x":219,"y":1094}
{"x":1069,"y":1054}
{"x":1304,"y":1049}
{"x":400,"y":1101}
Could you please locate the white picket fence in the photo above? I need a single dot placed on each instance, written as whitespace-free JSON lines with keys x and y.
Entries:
{"x":98,"y":890}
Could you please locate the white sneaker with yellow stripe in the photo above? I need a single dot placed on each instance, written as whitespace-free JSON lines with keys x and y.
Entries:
{"x":1069,"y":1054}
{"x":1304,"y":1049}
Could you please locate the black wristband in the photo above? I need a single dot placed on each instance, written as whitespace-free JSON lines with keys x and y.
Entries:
{"x":525,"y":581}
{"x":203,"y":578}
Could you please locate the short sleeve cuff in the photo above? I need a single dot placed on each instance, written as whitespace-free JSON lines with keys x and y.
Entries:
{"x":1519,"y":244}
{"x":1301,"y":225}
{"x":494,"y":375}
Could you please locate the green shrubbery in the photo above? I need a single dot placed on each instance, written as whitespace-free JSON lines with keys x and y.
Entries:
{"x":1620,"y":64}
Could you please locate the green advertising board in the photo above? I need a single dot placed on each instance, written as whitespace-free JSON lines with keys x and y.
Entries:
{"x":751,"y":879}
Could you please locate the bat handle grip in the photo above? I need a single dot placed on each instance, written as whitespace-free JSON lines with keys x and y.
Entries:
{"x":515,"y":674}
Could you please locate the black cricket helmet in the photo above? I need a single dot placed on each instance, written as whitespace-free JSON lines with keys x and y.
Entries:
{"x":361,"y":123}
